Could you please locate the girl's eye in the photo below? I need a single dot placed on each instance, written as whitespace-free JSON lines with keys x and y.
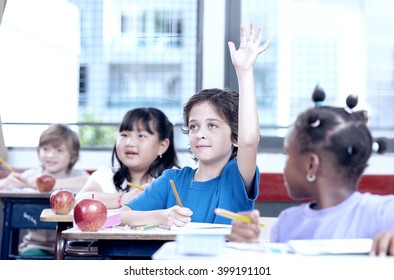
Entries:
{"x":212,"y":125}
{"x":192,"y":127}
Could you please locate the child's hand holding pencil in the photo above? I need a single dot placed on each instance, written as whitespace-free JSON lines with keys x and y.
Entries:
{"x":176,"y":215}
{"x":246,"y":226}
{"x":235,"y":216}
{"x":14,"y":179}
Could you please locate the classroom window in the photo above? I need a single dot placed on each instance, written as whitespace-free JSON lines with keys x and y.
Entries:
{"x":344,"y":46}
{"x":99,"y":58}
{"x":83,"y":72}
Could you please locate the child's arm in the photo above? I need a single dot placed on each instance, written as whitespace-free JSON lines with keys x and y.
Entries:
{"x":248,"y":123}
{"x":175,"y":215}
{"x":13,"y":180}
{"x":110,"y":200}
{"x":76,"y":182}
{"x":93,"y":188}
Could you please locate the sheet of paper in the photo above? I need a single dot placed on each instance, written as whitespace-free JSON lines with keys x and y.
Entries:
{"x":331,"y":246}
{"x":199,"y":244}
{"x":194,"y":226}
{"x":263,"y":247}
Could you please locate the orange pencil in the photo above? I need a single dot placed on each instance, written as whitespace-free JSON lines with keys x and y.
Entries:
{"x":176,"y":193}
{"x":6,"y":166}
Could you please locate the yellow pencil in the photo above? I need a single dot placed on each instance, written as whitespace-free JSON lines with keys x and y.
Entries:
{"x":176,"y":193}
{"x":6,"y":166}
{"x":234,"y":216}
{"x":135,"y":186}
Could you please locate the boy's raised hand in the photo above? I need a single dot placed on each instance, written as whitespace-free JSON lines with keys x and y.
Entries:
{"x":249,"y":49}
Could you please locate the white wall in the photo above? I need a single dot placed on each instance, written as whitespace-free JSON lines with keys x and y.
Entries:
{"x":213,"y":44}
{"x":2,"y":7}
{"x":43,"y":48}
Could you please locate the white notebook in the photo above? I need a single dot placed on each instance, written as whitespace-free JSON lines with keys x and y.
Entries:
{"x":331,"y":246}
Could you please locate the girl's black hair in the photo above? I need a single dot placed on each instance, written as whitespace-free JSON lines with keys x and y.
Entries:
{"x":340,"y":131}
{"x":224,"y":101}
{"x":152,"y":120}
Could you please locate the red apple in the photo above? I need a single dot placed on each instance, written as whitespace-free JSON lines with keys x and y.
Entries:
{"x":62,"y":202}
{"x":45,"y":183}
{"x":90,"y":214}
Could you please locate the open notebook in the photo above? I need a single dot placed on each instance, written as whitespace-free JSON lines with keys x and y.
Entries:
{"x":331,"y":246}
{"x":309,"y":247}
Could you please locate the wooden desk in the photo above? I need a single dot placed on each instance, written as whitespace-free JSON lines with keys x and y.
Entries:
{"x":22,"y":209}
{"x":121,"y":243}
{"x":63,"y":222}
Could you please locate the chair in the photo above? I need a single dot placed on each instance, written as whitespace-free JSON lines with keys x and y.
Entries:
{"x":82,"y":249}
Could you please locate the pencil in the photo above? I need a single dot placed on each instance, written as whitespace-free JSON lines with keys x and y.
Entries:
{"x":145,"y":227}
{"x":135,"y":186}
{"x":6,"y":165}
{"x":136,"y":226}
{"x":164,"y":227}
{"x":234,"y":216}
{"x":176,"y":193}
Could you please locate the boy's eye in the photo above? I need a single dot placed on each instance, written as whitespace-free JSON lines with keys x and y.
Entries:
{"x":46,"y":148}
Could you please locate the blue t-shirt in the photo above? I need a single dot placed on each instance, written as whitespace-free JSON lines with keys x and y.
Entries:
{"x":362,"y":215}
{"x":226,"y":191}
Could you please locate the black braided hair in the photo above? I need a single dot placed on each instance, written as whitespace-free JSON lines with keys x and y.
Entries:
{"x":318,"y":96}
{"x":341,"y":132}
{"x":380,"y":145}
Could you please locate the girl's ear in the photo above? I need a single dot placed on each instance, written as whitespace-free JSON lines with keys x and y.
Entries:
{"x":164,"y":144}
{"x":311,"y":163}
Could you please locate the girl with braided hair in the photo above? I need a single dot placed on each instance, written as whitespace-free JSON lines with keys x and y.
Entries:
{"x":328,"y":149}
